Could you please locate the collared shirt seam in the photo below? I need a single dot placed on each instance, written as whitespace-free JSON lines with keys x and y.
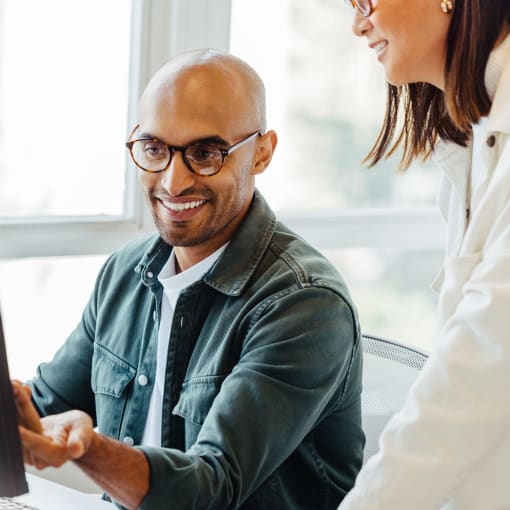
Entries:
{"x":297,"y":270}
{"x":261,"y":308}
{"x":322,"y":472}
{"x":355,"y":348}
{"x":296,"y":288}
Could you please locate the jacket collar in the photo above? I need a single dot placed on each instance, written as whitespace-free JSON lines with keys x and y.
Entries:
{"x":453,"y":159}
{"x":499,"y":116}
{"x":234,"y":268}
{"x":239,"y":261}
{"x":153,"y":260}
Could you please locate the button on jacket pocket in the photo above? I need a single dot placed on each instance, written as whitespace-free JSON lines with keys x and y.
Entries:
{"x":110,"y":378}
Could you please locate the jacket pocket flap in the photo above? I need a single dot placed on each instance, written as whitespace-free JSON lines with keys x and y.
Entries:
{"x":197,"y":396}
{"x":110,"y":374}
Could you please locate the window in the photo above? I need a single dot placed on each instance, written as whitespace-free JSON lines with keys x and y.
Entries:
{"x":70,"y":78}
{"x":42,"y":300}
{"x":390,"y":287}
{"x":326,"y":95}
{"x":63,"y":104}
{"x":71,"y":74}
{"x":64,"y":87}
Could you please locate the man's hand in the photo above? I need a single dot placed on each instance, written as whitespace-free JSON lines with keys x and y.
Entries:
{"x":64,"y":437}
{"x":53,"y":440}
{"x":28,"y":417}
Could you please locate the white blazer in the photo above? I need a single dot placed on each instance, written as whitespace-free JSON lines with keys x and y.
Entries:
{"x":449,"y":447}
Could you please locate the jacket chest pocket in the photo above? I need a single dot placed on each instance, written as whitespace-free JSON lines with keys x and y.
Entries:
{"x":195,"y":401}
{"x":457,"y":271}
{"x":111,"y":377}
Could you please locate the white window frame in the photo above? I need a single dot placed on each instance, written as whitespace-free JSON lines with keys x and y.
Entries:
{"x":159,"y":30}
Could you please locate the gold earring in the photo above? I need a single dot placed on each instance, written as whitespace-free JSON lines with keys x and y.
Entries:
{"x":447,"y":6}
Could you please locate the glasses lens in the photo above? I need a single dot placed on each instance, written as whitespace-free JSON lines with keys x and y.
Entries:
{"x":151,"y":155}
{"x":204,"y":159}
{"x":364,"y":6}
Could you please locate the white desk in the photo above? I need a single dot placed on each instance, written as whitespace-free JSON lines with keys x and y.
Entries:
{"x":46,"y":495}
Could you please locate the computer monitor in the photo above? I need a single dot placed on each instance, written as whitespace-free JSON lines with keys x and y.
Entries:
{"x":12,"y":470}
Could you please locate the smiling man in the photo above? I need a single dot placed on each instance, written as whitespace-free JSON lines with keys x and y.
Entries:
{"x":219,"y":359}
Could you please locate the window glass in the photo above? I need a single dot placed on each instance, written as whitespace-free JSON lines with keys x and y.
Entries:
{"x":42,"y":300}
{"x":393,"y":298}
{"x":63,"y":106}
{"x":326,"y":96}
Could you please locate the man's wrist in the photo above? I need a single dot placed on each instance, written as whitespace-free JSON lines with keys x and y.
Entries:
{"x":101,"y":462}
{"x":94,"y":446}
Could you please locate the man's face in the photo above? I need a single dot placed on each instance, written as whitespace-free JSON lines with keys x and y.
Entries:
{"x":198,"y":213}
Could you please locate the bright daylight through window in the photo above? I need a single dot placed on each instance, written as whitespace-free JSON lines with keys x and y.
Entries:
{"x":63,"y":115}
{"x":326,"y":96}
{"x":63,"y":107}
{"x":65,"y":71}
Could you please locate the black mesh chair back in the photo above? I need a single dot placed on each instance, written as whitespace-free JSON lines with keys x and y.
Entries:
{"x":389,"y":370}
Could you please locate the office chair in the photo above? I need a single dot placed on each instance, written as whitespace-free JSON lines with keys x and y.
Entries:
{"x":389,"y":370}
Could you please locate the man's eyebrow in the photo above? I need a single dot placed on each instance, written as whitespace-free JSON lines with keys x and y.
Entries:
{"x":146,"y":135}
{"x":214,"y":139}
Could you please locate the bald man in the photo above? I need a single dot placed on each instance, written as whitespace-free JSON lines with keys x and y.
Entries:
{"x":220,"y":358}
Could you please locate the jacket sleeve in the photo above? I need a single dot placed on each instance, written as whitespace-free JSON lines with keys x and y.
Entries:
{"x":300,"y":347}
{"x":457,"y":412}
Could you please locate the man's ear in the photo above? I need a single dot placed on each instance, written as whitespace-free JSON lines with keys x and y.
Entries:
{"x":264,"y":154}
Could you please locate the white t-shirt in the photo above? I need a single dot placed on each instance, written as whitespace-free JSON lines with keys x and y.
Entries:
{"x":173,"y":284}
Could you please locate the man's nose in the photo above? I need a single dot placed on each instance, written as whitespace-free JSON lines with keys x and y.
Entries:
{"x":177,"y":178}
{"x":360,"y":24}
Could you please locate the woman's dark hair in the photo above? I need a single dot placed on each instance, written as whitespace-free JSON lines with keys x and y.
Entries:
{"x":428,"y":113}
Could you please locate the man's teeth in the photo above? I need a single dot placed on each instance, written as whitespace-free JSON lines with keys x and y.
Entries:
{"x":183,"y":206}
{"x":380,"y":46}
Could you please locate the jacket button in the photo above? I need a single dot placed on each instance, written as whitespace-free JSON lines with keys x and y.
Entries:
{"x":129,"y":441}
{"x":491,"y":141}
{"x":142,"y":380}
{"x":150,"y":274}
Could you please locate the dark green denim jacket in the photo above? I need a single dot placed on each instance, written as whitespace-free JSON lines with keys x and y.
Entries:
{"x":262,"y":394}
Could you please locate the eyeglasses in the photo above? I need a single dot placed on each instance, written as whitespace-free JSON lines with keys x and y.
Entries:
{"x":202,"y":157}
{"x":363,"y":6}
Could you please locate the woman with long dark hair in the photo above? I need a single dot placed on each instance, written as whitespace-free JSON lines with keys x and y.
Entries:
{"x":447,"y":63}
